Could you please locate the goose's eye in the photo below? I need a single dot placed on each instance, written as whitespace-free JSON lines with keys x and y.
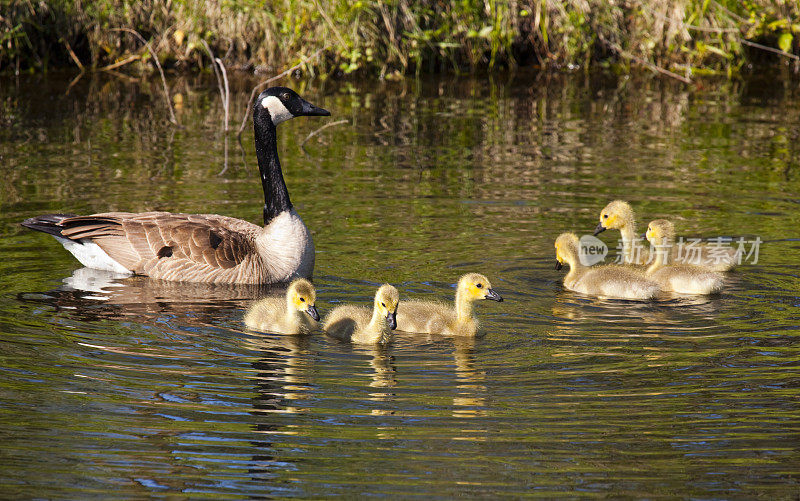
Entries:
{"x":302,"y":300}
{"x":605,"y":216}
{"x":383,"y":304}
{"x":480,"y":286}
{"x":285,"y":96}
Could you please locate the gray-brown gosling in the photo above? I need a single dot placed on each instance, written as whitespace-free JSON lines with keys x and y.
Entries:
{"x":358,"y":324}
{"x":620,"y":282}
{"x":618,"y":215}
{"x":438,"y":318}
{"x":294,"y":314}
{"x":681,"y":278}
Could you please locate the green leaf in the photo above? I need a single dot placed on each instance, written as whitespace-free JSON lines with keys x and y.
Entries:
{"x":785,"y":42}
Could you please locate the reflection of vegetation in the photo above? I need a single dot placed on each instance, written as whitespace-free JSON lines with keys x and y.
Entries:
{"x":398,"y":36}
{"x":565,"y":394}
{"x":444,"y":171}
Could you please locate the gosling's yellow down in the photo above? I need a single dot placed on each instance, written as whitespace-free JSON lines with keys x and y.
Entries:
{"x":618,"y":215}
{"x":681,"y":278}
{"x":620,"y":282}
{"x":438,"y":318}
{"x":294,"y":314}
{"x":358,"y":324}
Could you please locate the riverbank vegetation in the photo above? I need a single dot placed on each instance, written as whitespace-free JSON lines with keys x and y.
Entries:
{"x":392,"y":38}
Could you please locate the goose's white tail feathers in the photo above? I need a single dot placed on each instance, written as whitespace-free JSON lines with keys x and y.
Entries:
{"x":92,"y":256}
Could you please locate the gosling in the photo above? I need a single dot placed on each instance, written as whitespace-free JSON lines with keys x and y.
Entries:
{"x":427,"y":317}
{"x":680,"y":278}
{"x":358,"y":325}
{"x":607,"y":281}
{"x":296,"y":314}
{"x":618,"y":215}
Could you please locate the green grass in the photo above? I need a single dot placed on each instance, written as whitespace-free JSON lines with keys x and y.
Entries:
{"x":396,"y":37}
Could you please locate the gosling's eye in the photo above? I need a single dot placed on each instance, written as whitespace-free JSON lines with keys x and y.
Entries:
{"x":302,"y":300}
{"x":605,"y":216}
{"x":480,"y":286}
{"x":285,"y":96}
{"x":383,"y":304}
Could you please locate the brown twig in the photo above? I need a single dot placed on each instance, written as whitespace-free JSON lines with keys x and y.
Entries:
{"x":160,"y":70}
{"x":120,"y":63}
{"x":330,"y":24}
{"x":268,"y":81}
{"x":73,"y":82}
{"x":711,"y":30}
{"x":73,"y":56}
{"x":769,"y":49}
{"x":222,"y":85}
{"x":314,"y":133}
{"x":622,"y":52}
{"x":226,"y":104}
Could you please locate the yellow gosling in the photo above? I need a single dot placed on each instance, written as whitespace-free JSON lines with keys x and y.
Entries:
{"x":294,"y":314}
{"x":358,"y":324}
{"x":681,"y":278}
{"x":607,"y":281}
{"x":618,"y":215}
{"x":429,"y":317}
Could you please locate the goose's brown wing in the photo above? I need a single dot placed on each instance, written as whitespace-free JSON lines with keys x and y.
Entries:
{"x":157,"y":243}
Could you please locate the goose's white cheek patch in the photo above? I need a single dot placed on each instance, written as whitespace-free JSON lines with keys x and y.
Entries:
{"x":276,"y":109}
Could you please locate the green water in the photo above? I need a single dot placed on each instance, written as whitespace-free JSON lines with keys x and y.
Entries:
{"x":137,"y":388}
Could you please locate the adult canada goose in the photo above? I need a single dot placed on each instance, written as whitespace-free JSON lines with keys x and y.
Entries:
{"x":293,"y":314}
{"x":681,"y":278}
{"x":619,"y":215}
{"x":620,"y":282}
{"x":204,"y":247}
{"x":358,"y":324}
{"x":429,"y":317}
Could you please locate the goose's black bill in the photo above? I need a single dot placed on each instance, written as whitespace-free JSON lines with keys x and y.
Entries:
{"x":309,"y":110}
{"x":559,"y":265}
{"x":599,"y":229}
{"x":391,"y":317}
{"x":491,"y":294}
{"x":312,"y":311}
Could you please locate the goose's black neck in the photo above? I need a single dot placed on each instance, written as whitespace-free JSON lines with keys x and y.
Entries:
{"x":276,"y":196}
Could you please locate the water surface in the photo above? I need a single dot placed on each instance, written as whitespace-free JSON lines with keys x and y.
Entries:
{"x":145,"y":388}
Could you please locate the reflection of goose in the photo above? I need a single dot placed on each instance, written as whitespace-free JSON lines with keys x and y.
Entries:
{"x":618,"y":215}
{"x":428,"y":317}
{"x":358,"y":324}
{"x":608,"y":281}
{"x":203,"y":247}
{"x":383,"y":371}
{"x":470,"y":399}
{"x":681,"y":278}
{"x":283,"y":372}
{"x":293,"y":314}
{"x":92,"y":295}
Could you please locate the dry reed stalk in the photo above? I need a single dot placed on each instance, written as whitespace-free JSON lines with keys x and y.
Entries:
{"x":160,"y":70}
{"x":222,"y":85}
{"x":314,"y":133}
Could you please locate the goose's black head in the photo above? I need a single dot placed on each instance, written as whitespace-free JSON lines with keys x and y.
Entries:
{"x":279,"y":104}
